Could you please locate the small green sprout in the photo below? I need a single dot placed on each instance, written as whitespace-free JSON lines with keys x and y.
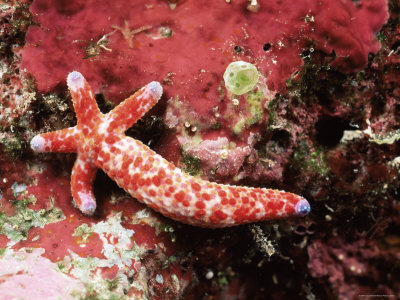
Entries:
{"x":240,"y":77}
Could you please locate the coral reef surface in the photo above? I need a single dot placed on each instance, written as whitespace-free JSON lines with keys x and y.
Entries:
{"x":323,"y":121}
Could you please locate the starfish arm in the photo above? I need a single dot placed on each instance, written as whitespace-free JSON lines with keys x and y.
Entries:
{"x":159,"y":184}
{"x":133,"y":108}
{"x":86,"y":109}
{"x":64,"y":140}
{"x":82,"y":177}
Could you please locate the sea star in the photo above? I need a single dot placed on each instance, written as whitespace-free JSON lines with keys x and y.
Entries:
{"x":129,"y":34}
{"x":100,"y":142}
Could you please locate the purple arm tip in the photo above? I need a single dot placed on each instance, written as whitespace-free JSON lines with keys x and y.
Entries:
{"x":302,"y":207}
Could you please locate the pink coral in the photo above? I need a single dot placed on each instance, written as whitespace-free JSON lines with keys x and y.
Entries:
{"x":28,"y":275}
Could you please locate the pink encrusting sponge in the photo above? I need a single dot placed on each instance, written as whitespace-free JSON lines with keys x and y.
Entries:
{"x":100,"y":142}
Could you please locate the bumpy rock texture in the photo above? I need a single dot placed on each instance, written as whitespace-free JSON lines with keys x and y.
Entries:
{"x":323,"y":122}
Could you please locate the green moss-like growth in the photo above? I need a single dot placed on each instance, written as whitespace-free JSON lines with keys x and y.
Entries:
{"x":13,"y":146}
{"x":312,"y":161}
{"x":192,"y":164}
{"x":223,"y":279}
{"x":105,"y":105}
{"x":83,"y":232}
{"x":272,"y":115}
{"x":239,"y":126}
{"x":13,"y":138}
{"x":148,"y":130}
{"x":16,"y":227}
{"x":254,"y":108}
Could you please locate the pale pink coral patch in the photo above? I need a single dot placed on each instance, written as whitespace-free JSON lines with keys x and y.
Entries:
{"x":28,"y":275}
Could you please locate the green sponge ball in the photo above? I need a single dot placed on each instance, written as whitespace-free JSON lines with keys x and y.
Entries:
{"x":240,"y":77}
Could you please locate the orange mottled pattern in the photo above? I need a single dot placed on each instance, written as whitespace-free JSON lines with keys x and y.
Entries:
{"x":100,"y":142}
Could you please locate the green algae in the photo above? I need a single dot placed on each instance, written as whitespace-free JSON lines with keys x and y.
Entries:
{"x":223,"y":279}
{"x":272,"y":114}
{"x":254,"y":107}
{"x":119,"y":250}
{"x":308,"y":160}
{"x":17,"y":226}
{"x":239,"y":126}
{"x":13,"y":146}
{"x":252,"y":114}
{"x":240,"y":77}
{"x":148,"y":217}
{"x":83,"y":232}
{"x":13,"y":139}
{"x":192,"y":164}
{"x":216,"y":126}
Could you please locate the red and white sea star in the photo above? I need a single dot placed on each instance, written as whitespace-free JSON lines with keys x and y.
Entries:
{"x":100,"y":142}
